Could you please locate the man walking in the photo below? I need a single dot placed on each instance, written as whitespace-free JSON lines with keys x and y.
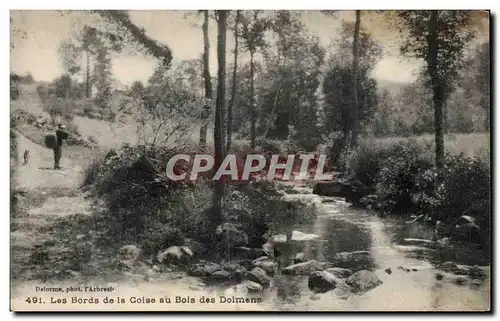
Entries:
{"x":60,"y":136}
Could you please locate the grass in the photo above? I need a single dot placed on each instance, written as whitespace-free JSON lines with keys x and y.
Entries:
{"x":398,"y":177}
{"x":471,"y":145}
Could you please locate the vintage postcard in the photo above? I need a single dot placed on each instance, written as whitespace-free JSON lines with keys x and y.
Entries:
{"x":250,"y":160}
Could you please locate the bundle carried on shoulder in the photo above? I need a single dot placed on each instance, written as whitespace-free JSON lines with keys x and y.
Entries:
{"x":50,"y":141}
{"x":63,"y":135}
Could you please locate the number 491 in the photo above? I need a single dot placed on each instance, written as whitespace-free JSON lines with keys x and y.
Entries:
{"x":33,"y":300}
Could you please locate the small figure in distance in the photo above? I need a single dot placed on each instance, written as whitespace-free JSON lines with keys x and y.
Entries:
{"x":61,"y":135}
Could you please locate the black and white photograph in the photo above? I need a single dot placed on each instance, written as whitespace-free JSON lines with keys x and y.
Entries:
{"x":250,"y":160}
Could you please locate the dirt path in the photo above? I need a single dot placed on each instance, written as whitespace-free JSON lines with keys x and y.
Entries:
{"x":56,"y":242}
{"x":45,"y":196}
{"x":39,"y":173}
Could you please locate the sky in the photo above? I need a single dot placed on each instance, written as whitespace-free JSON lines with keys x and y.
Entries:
{"x":37,"y":52}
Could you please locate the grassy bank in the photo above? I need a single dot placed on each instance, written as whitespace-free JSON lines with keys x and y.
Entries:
{"x":398,"y":177}
{"x":471,"y":145}
{"x":144,"y":208}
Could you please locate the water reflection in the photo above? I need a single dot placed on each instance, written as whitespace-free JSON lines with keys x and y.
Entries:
{"x":357,"y":240}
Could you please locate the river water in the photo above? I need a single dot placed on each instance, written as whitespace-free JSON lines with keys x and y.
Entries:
{"x":391,"y":243}
{"x":385,"y":243}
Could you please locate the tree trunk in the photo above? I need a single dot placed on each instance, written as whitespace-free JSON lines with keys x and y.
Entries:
{"x":219,"y":107}
{"x":207,"y":80}
{"x":355,"y":70}
{"x":233,"y":89}
{"x":446,"y":123}
{"x":485,"y":104}
{"x":272,"y":115}
{"x":437,"y":87}
{"x":87,"y":74}
{"x":253,"y":117}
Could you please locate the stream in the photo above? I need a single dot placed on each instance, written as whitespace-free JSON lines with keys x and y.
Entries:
{"x":375,"y":243}
{"x":401,"y":255}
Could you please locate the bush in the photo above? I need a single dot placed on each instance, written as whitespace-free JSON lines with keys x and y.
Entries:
{"x":405,"y":179}
{"x":59,"y":109}
{"x":259,"y":209}
{"x":145,"y":208}
{"x":466,"y":189}
{"x":402,"y":179}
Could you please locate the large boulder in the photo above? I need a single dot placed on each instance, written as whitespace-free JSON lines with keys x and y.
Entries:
{"x":203,"y":269}
{"x":259,"y":276}
{"x":236,"y":270}
{"x":220,"y":275}
{"x":279,"y":238}
{"x":322,"y":281}
{"x":299,"y":258}
{"x":195,"y":246}
{"x":175,"y":254}
{"x":300,"y":236}
{"x":266,"y":264}
{"x":248,"y":287}
{"x":467,"y":229}
{"x":129,"y":252}
{"x":361,"y":259}
{"x":363,"y":280}
{"x":268,"y":248}
{"x":334,"y":189}
{"x":305,"y":268}
{"x":339,"y":272}
{"x":249,"y":253}
{"x":234,"y":236}
{"x":253,"y":287}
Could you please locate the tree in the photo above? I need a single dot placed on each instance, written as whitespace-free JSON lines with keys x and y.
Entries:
{"x":63,"y":86}
{"x":207,"y":80}
{"x":355,"y":81}
{"x":339,"y":99}
{"x":288,"y":87}
{"x":354,"y":112}
{"x":253,"y":28}
{"x":102,"y":75}
{"x":438,"y":37}
{"x":165,"y":111}
{"x":382,"y":120}
{"x":88,"y":38}
{"x":241,"y":115}
{"x":220,"y":105}
{"x":121,"y":18}
{"x":233,"y":88}
{"x":15,"y":79}
{"x":70,"y":56}
{"x":338,"y":82}
{"x":415,"y":111}
{"x":475,"y":81}
{"x":136,"y":89}
{"x":88,"y":42}
{"x":482,"y":77}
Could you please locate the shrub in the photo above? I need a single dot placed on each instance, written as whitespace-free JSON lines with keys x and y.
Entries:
{"x":466,"y":188}
{"x":59,"y":109}
{"x":145,"y":208}
{"x":405,"y":180}
{"x":402,"y":179}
